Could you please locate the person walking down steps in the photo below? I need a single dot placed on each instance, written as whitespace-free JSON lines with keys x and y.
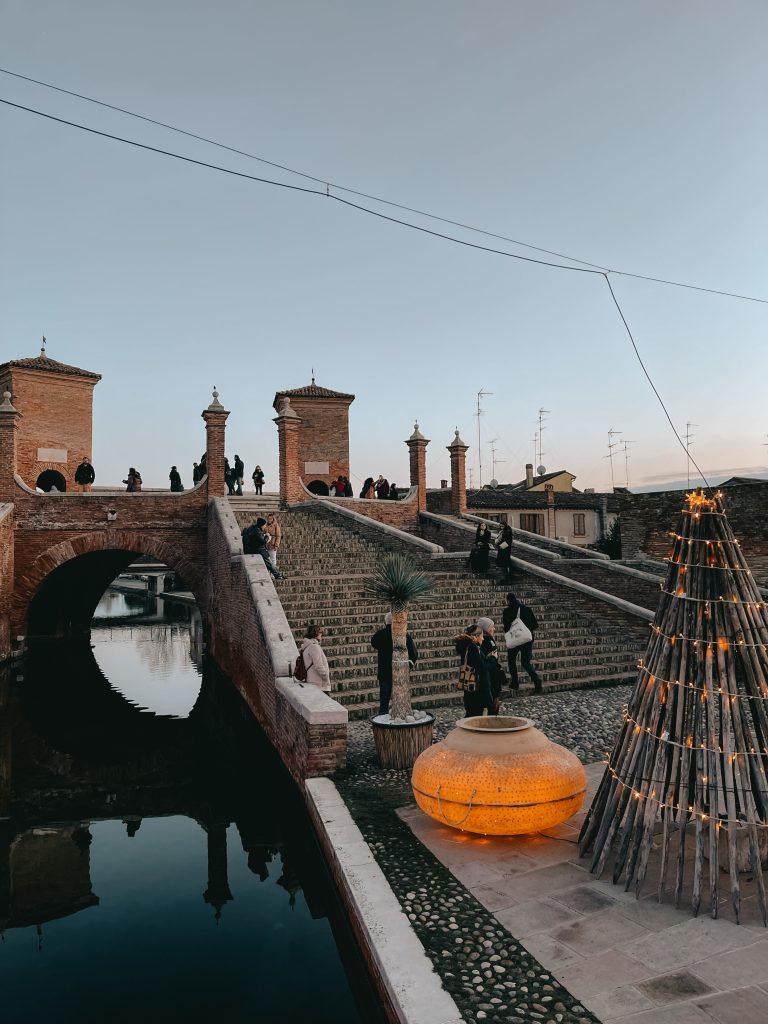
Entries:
{"x":516,"y":612}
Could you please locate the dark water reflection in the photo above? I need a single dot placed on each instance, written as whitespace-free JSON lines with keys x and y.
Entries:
{"x":153,"y":866}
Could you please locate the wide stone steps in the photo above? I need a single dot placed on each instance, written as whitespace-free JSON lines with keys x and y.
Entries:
{"x":581,"y":641}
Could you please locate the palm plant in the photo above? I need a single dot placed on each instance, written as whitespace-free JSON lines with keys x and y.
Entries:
{"x":399,"y":584}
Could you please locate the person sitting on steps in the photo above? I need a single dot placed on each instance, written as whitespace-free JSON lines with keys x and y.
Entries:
{"x":255,"y":542}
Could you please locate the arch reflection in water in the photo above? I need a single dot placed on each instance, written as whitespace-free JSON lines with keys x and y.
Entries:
{"x":162,"y":856}
{"x":155,"y":663}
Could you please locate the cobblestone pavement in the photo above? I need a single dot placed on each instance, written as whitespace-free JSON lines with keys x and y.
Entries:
{"x":489,"y":974}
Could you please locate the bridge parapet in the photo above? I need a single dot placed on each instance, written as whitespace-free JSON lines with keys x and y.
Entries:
{"x":252,"y":642}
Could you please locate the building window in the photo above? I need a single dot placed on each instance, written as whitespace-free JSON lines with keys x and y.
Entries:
{"x":533,"y":522}
{"x":579,"y":524}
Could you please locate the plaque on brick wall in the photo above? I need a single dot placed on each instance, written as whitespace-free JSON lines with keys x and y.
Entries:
{"x":51,"y":454}
{"x":316,"y":468}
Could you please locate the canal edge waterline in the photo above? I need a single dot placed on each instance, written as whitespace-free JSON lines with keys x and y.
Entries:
{"x":410,"y":988}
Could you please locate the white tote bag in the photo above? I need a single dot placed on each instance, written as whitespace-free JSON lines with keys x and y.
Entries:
{"x":517,"y":634}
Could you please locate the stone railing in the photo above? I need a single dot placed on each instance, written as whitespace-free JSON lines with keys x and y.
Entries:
{"x":6,"y":577}
{"x":252,"y":642}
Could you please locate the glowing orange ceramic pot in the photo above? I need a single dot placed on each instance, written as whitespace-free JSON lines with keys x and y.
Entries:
{"x":498,"y":776}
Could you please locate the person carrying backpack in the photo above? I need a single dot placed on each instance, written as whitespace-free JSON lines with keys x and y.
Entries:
{"x":255,"y":542}
{"x":476,"y":665}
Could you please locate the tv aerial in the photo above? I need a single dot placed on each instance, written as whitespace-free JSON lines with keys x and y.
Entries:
{"x":541,"y":470}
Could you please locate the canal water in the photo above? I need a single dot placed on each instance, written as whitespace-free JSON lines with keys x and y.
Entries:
{"x":157,"y":863}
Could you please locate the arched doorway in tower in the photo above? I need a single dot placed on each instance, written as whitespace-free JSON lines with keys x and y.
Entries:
{"x":50,"y":480}
{"x":319,"y":487}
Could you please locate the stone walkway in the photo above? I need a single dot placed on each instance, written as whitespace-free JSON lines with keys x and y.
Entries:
{"x":535,"y":936}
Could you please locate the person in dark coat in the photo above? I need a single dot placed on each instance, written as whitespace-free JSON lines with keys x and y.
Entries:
{"x":367,"y":491}
{"x":469,"y":646}
{"x":381,"y":641}
{"x":255,"y":542}
{"x":382,"y":488}
{"x":348,"y":492}
{"x":479,"y":556}
{"x":258,"y":480}
{"x":496,"y":672}
{"x":229,"y":476}
{"x":133,"y":480}
{"x":175,"y":477}
{"x":504,"y":548}
{"x":85,"y":474}
{"x":197,"y":475}
{"x":237,"y":475}
{"x":393,"y":494}
{"x":510,"y":613}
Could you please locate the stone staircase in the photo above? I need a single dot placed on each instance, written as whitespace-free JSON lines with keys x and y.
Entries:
{"x":581,"y":641}
{"x":255,"y":504}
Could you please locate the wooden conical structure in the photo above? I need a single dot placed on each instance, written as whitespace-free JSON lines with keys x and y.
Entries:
{"x":692,"y":755}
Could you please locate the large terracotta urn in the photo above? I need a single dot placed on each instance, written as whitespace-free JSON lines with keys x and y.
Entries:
{"x":498,"y":776}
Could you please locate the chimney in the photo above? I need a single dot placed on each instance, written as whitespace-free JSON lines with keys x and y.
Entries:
{"x":549,"y":490}
{"x":528,"y":474}
{"x":443,"y":485}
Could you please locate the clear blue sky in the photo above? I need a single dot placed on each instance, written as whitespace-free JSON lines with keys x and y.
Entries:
{"x":630,"y":135}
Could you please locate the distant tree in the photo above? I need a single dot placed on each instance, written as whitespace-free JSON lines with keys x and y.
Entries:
{"x":610,"y":544}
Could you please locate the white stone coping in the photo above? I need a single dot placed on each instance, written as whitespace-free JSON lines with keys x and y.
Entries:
{"x":6,"y":508}
{"x":584,"y":588}
{"x":450,"y":521}
{"x":558,"y":545}
{"x":314,"y":706}
{"x":414,"y":988}
{"x":392,"y":531}
{"x":624,"y":570}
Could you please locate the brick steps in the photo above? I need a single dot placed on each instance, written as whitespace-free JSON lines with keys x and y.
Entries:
{"x":581,"y":641}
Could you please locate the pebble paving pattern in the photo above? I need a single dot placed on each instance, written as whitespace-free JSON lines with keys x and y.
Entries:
{"x":488,"y":973}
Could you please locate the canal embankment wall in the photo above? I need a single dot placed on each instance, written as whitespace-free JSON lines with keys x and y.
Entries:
{"x":6,"y":578}
{"x":410,"y":990}
{"x":251,"y":641}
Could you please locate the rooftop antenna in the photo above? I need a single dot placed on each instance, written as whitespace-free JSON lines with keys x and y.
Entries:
{"x":627,"y":457}
{"x":313,"y":375}
{"x":471,"y":486}
{"x":542,"y":428}
{"x":480,"y":394}
{"x":494,"y":460}
{"x":42,"y":347}
{"x":688,"y":438}
{"x":611,"y":445}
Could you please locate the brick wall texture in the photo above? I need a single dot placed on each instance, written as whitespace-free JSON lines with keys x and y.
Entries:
{"x":647,"y":519}
{"x":323,"y":436}
{"x":402,"y":514}
{"x":56,"y":412}
{"x":6,"y":578}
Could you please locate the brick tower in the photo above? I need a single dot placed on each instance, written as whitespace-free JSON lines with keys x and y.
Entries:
{"x":323,"y":434}
{"x":55,"y":428}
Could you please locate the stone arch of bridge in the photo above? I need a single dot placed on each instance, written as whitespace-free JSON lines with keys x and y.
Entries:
{"x":59,"y":592}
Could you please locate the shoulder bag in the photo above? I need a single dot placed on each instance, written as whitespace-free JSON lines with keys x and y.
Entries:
{"x":467,"y":676}
{"x":517,"y":634}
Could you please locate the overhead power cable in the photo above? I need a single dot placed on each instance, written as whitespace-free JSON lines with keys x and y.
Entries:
{"x":650,"y":381}
{"x":374,"y":198}
{"x":383,"y":216}
{"x":325,"y":193}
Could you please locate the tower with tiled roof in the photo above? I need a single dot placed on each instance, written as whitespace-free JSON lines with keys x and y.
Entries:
{"x":55,"y":428}
{"x":323,"y":434}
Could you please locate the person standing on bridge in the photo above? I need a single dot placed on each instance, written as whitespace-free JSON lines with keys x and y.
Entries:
{"x":504,"y":548}
{"x":381,"y":641}
{"x":238,"y":475}
{"x":85,"y":474}
{"x":314,"y":658}
{"x":258,"y":480}
{"x":175,"y":477}
{"x":133,"y":482}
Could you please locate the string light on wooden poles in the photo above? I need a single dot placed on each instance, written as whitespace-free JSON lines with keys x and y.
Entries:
{"x":692,"y":753}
